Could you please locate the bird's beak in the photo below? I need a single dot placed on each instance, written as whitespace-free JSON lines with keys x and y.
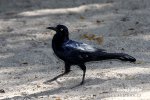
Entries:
{"x":52,"y":28}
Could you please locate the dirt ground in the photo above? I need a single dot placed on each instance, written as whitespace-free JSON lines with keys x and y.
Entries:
{"x":27,"y":59}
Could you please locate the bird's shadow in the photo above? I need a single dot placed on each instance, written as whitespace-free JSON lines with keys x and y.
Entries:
{"x":75,"y":83}
{"x":68,"y":85}
{"x":54,"y":79}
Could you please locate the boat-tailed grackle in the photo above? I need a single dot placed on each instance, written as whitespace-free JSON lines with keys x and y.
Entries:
{"x":77,"y":53}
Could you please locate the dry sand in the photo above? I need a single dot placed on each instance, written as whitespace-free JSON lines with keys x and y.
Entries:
{"x":27,"y":59}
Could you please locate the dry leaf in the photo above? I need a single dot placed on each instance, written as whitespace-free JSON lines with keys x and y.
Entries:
{"x":58,"y":98}
{"x":82,"y":17}
{"x":139,"y":62}
{"x":98,"y":39}
{"x":129,"y":77}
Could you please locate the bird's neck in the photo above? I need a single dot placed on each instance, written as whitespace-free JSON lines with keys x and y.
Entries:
{"x":58,"y":40}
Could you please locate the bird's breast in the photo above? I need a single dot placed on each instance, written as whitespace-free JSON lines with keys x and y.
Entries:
{"x":59,"y":52}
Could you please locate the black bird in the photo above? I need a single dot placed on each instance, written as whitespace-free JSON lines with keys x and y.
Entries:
{"x":77,"y":53}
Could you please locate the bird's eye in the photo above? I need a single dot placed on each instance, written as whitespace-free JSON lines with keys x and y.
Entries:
{"x":61,"y":29}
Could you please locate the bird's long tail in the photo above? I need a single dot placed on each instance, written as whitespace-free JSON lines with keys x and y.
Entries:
{"x":119,"y":56}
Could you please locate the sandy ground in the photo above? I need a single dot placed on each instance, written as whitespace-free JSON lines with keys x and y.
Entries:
{"x":27,"y":59}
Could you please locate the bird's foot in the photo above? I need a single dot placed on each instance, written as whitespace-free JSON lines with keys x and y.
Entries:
{"x":78,"y":85}
{"x":81,"y":83}
{"x":49,"y":81}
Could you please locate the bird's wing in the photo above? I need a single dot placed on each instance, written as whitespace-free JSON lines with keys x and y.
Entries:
{"x":79,"y":52}
{"x":81,"y":46}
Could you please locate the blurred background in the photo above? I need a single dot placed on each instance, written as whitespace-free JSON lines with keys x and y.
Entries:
{"x":27,"y":60}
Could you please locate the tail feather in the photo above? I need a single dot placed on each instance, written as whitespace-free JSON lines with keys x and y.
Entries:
{"x":126,"y":57}
{"x":119,"y":56}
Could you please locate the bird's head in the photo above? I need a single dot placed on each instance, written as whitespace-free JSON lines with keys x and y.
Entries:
{"x":62,"y":32}
{"x":60,"y":29}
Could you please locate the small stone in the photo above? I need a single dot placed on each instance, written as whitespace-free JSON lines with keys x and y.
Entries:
{"x":122,"y":48}
{"x":94,"y":95}
{"x":131,"y":29}
{"x":98,"y":21}
{"x":136,"y":23}
{"x":25,"y":63}
{"x":110,"y":62}
{"x":124,"y":19}
{"x":2,"y":91}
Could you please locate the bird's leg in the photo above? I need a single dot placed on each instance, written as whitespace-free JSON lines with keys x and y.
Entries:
{"x":67,"y":70}
{"x":83,"y":67}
